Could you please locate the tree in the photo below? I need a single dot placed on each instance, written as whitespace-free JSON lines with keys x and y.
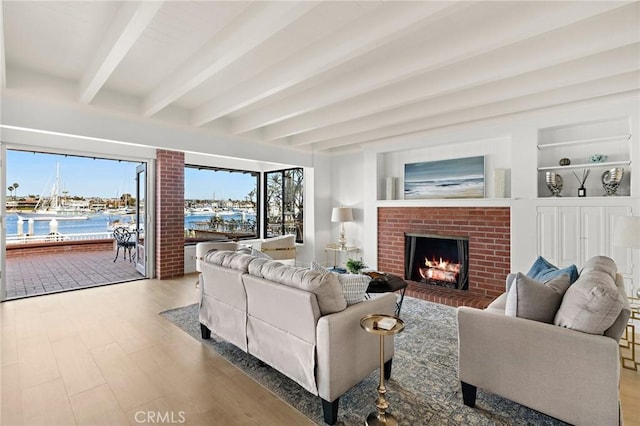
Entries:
{"x":15,"y":188}
{"x":10,"y":190}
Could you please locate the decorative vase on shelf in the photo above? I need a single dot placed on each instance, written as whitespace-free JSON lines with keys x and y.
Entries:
{"x":554,"y":183}
{"x":611,"y":181}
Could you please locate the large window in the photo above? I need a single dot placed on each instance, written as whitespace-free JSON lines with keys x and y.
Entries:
{"x":284,"y":202}
{"x":220,"y":204}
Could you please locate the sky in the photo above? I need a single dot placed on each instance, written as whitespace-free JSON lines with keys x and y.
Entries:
{"x":35,"y":174}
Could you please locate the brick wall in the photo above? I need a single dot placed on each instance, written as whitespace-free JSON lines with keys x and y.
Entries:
{"x":169,"y":214}
{"x":39,"y":248}
{"x":488,"y":229}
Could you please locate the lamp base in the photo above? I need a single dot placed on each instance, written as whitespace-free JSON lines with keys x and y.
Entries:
{"x":342,"y":241}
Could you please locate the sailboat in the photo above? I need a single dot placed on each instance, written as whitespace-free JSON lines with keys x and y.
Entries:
{"x":55,"y":206}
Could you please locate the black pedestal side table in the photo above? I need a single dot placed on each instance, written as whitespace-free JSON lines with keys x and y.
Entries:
{"x":387,"y":283}
{"x":380,"y":417}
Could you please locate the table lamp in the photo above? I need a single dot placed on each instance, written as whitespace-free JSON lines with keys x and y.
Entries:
{"x":626,"y":233}
{"x":342,"y":215}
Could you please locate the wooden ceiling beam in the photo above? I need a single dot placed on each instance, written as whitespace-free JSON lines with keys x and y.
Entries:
{"x":540,"y":52}
{"x":371,"y":30}
{"x":495,"y":26}
{"x":130,"y":21}
{"x":627,"y":83}
{"x":253,"y":27}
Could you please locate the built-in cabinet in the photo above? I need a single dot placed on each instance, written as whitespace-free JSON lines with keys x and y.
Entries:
{"x":574,"y":150}
{"x":571,"y":234}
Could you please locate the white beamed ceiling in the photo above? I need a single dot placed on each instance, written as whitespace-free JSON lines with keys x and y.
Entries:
{"x":321,"y":76}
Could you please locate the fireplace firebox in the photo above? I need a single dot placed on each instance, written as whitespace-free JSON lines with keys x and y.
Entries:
{"x":440,"y":260}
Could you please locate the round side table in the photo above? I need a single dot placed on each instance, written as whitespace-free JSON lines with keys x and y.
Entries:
{"x":370,"y":324}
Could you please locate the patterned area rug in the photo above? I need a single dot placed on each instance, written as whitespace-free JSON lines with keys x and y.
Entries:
{"x":424,"y":387}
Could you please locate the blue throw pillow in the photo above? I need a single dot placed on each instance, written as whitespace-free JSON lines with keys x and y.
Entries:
{"x":543,"y":271}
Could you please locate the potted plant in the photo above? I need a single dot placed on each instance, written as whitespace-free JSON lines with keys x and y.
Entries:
{"x":354,"y":266}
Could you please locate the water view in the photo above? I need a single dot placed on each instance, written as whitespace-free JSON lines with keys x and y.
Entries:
{"x":104,"y":223}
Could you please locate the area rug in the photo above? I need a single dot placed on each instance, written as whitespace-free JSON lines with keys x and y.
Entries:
{"x":423,"y":389}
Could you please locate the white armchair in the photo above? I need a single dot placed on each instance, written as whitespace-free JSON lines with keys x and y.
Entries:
{"x":565,"y":373}
{"x":279,"y":248}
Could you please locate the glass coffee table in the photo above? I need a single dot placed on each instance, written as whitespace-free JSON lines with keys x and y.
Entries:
{"x":375,"y":324}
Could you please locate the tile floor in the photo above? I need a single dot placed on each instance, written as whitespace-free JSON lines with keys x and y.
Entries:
{"x":51,"y":273}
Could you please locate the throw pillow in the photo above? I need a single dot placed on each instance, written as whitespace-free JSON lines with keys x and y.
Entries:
{"x":315,"y":266}
{"x":354,"y":287}
{"x":591,"y":305}
{"x":258,"y":253}
{"x":533,"y":300}
{"x":542,"y":271}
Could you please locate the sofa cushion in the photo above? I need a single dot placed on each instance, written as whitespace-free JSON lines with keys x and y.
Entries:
{"x":591,"y":304}
{"x":323,"y":284}
{"x":533,"y":300}
{"x":230,"y":259}
{"x":542,"y":271}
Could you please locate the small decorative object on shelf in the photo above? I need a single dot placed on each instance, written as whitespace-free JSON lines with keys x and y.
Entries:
{"x":354,"y":266}
{"x":598,"y":158}
{"x":611,"y":180}
{"x":554,"y":183}
{"x":564,"y":162}
{"x":582,"y":191}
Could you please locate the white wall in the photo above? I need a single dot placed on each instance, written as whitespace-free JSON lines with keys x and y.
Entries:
{"x":508,"y":142}
{"x":30,"y":123}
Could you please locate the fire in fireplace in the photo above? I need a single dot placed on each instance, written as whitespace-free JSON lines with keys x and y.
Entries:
{"x":437,"y":259}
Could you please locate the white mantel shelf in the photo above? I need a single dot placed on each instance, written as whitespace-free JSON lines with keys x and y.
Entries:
{"x":467,"y":202}
{"x":510,"y":202}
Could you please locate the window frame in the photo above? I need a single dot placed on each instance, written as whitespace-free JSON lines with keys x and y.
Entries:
{"x":258,"y":199}
{"x":265,"y":213}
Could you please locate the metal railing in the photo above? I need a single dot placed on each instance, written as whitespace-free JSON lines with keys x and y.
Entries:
{"x":57,"y":237}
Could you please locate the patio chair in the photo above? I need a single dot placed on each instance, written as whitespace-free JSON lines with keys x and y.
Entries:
{"x":123,"y":239}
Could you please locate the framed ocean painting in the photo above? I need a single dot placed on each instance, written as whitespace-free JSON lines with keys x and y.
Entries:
{"x":455,"y":178}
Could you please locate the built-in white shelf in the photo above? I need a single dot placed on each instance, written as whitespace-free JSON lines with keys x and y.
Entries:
{"x":586,"y":165}
{"x":576,"y":144}
{"x":584,"y":141}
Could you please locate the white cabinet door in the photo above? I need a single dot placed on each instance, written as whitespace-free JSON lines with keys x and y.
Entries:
{"x":623,"y":256}
{"x":548,"y":234}
{"x":592,"y":233}
{"x":573,"y":234}
{"x":569,"y":238}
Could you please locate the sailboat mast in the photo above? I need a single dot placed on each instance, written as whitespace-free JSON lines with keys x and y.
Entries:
{"x":56,"y":188}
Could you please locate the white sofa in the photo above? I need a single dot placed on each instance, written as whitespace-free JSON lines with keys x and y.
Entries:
{"x":566,"y":369}
{"x":294,"y":319}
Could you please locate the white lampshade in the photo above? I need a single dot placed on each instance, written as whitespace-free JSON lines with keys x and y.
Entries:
{"x":342,"y":214}
{"x":626,"y":232}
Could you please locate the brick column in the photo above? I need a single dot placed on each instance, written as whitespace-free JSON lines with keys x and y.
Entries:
{"x":169,"y":214}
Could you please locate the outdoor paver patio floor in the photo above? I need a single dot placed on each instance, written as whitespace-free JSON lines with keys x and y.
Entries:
{"x":50,"y":273}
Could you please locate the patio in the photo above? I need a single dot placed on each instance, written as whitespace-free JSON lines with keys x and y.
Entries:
{"x":56,"y":272}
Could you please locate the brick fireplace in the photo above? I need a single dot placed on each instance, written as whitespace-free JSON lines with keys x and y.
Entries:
{"x":488,"y":230}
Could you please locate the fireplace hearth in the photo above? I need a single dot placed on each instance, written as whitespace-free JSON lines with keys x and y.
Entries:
{"x":439,"y":260}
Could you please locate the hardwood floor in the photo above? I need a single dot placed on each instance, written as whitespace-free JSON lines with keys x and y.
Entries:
{"x":103,"y":356}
